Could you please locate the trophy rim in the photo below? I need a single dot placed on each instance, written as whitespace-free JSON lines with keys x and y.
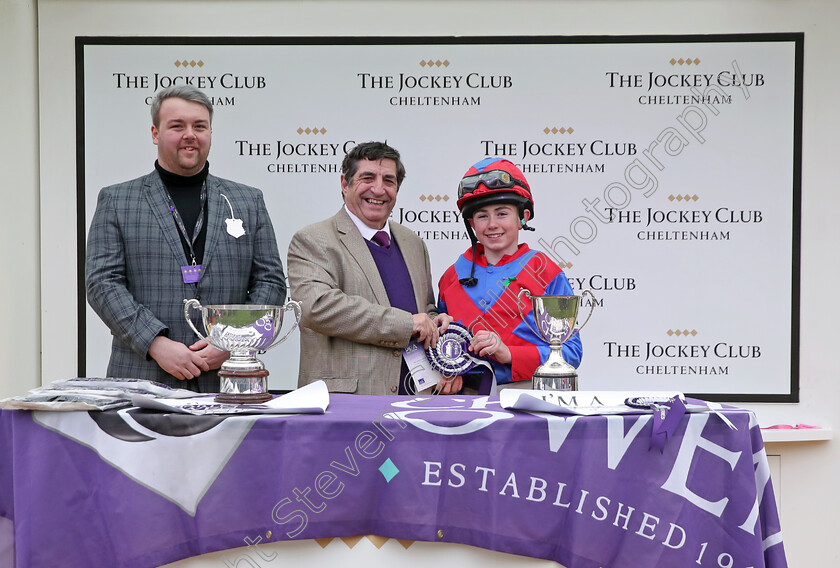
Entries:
{"x":247,"y":307}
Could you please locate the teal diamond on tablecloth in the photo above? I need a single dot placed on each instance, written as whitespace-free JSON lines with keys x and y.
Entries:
{"x":388,"y":470}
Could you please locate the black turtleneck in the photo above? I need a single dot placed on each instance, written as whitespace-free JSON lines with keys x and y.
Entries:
{"x":186,"y":193}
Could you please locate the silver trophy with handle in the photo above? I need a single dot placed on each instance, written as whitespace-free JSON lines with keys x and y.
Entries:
{"x":555,"y":316}
{"x":243,"y":330}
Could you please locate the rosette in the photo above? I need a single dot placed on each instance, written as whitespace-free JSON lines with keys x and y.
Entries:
{"x":451,"y":355}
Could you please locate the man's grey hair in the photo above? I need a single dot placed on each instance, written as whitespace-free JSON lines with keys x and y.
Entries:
{"x":373,"y":151}
{"x":186,"y":92}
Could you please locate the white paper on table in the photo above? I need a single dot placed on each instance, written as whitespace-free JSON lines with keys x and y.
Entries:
{"x":582,"y":402}
{"x":313,"y":398}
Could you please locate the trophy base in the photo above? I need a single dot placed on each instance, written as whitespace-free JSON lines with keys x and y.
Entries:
{"x":554,"y":382}
{"x":555,"y":374}
{"x":243,"y":387}
{"x":243,"y":398}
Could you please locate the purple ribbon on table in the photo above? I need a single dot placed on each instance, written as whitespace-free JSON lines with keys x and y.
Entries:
{"x":666,"y":418}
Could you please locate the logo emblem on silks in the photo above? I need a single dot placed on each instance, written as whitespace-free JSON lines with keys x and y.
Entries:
{"x":451,"y":356}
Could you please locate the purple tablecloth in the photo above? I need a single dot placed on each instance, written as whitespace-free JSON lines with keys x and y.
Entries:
{"x":139,"y":489}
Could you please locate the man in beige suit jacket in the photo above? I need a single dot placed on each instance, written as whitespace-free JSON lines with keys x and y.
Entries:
{"x":352,"y":336}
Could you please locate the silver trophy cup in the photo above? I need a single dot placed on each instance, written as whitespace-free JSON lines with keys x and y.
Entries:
{"x":555,"y":317}
{"x":243,"y":330}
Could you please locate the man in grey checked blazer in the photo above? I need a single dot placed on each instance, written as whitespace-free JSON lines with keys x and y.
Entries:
{"x":143,"y":233}
{"x":352,"y":335}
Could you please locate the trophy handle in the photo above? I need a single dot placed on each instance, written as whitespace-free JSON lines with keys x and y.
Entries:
{"x":197,"y":305}
{"x":290,"y":305}
{"x":591,"y":309}
{"x":524,"y":319}
{"x":519,"y":300}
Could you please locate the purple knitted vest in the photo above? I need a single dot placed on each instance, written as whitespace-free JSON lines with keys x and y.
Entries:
{"x":394,"y":274}
{"x":395,"y":277}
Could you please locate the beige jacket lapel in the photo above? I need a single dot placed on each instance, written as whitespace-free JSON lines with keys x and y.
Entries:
{"x":353,"y":241}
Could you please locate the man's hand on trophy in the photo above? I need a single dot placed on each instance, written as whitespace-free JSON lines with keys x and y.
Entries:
{"x":489,"y":343}
{"x":425,"y":329}
{"x":214,"y":357}
{"x":177,"y":359}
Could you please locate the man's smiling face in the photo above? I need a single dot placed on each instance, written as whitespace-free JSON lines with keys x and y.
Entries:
{"x":372,"y":191}
{"x":183,"y":136}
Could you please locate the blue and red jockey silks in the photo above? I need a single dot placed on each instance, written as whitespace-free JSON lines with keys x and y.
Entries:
{"x":491,"y":304}
{"x":489,"y":182}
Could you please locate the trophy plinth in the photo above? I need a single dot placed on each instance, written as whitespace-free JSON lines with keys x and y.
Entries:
{"x":243,"y":330}
{"x":243,"y":387}
{"x":555,"y":374}
{"x":555,"y":316}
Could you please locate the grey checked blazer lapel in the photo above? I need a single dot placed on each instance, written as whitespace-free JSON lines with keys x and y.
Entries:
{"x":159,"y":204}
{"x":354,"y":242}
{"x":216,"y":211}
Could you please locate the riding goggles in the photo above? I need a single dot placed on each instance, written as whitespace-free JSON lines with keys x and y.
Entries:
{"x":494,"y":179}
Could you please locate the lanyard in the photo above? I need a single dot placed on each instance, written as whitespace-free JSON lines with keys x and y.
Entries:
{"x":180,"y":222}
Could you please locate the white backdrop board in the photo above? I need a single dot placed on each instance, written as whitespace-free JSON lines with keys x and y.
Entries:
{"x":665,"y":172}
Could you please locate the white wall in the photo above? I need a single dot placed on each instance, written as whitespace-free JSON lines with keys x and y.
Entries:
{"x":20,"y":337}
{"x":43,"y":35}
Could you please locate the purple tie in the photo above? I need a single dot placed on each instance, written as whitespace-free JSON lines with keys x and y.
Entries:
{"x":381,"y":238}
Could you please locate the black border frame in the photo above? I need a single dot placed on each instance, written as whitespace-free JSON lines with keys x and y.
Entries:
{"x":798,"y":39}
